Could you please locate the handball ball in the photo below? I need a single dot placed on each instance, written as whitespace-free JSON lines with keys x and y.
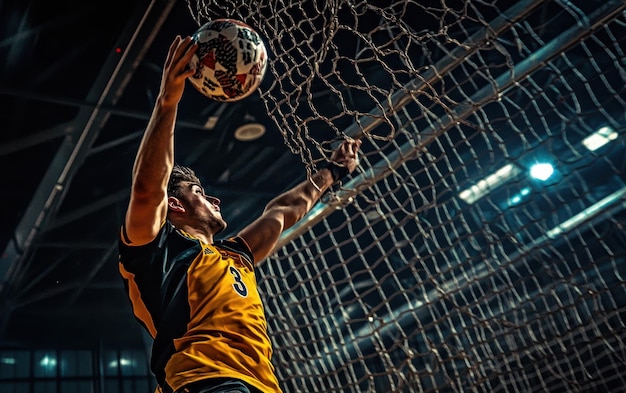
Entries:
{"x":230,"y":61}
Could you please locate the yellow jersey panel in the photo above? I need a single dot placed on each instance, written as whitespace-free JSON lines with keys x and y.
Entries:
{"x":201,"y":303}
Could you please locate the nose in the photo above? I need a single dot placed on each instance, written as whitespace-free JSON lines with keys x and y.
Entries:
{"x":213,"y":200}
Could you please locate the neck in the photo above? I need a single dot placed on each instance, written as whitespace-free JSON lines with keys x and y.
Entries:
{"x":202,"y":235}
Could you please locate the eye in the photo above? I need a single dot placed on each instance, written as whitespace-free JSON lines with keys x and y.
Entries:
{"x":212,"y":199}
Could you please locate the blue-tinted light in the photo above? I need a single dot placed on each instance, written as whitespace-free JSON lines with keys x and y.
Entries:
{"x":48,"y":361}
{"x":517,"y":198}
{"x":542,"y":171}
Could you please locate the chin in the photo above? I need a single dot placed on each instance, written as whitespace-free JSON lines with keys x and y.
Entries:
{"x":220,"y":226}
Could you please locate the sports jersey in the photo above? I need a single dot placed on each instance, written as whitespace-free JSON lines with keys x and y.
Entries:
{"x":201,"y":305}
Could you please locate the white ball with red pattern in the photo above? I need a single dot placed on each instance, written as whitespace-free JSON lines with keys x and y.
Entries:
{"x":230,"y":62}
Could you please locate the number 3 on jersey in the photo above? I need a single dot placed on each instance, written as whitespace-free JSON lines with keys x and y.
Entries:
{"x":238,"y":285}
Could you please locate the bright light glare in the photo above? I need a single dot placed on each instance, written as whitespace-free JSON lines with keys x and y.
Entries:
{"x":122,"y":362}
{"x":517,"y":198}
{"x":48,"y":361}
{"x":125,"y":362}
{"x":541,"y":171}
{"x":484,"y":186}
{"x":600,"y":138}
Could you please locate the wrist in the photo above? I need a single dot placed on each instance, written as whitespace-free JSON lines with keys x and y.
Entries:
{"x":167,"y":101}
{"x":337,"y":172}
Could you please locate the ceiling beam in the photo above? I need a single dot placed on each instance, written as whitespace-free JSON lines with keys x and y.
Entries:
{"x":137,"y":37}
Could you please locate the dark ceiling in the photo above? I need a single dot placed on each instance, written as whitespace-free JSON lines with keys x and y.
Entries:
{"x":77,"y":87}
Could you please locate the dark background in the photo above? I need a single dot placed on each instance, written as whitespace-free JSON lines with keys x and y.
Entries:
{"x":77,"y":86}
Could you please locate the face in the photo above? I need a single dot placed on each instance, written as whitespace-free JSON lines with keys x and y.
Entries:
{"x":201,"y":207}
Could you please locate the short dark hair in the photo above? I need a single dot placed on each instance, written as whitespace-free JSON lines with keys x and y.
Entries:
{"x":180,"y":174}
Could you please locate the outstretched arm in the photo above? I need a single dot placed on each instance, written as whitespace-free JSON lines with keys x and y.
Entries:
{"x":286,"y":209}
{"x":147,"y":208}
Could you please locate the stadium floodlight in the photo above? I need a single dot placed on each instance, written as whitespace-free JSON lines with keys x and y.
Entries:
{"x":517,"y":198}
{"x":541,"y":171}
{"x":489,"y":183}
{"x":600,"y":138}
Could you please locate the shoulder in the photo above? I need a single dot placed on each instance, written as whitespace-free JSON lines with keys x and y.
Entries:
{"x":236,"y":244}
{"x":166,"y":229}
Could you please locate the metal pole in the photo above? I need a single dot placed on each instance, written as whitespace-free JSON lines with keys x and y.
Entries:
{"x":490,"y":92}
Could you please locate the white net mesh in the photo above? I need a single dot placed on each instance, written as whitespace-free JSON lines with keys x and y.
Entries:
{"x":434,"y":275}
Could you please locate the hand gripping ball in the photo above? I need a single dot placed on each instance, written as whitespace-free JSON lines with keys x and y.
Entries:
{"x":230,"y":61}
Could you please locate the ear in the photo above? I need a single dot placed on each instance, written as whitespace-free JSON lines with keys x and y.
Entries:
{"x":174,"y":205}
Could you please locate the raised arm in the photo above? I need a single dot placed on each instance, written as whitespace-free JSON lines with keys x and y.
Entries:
{"x":147,"y":208}
{"x":286,"y":209}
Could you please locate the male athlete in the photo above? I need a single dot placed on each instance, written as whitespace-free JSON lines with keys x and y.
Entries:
{"x":196,"y":295}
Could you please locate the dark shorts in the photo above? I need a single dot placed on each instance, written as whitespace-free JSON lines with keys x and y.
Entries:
{"x":218,"y":385}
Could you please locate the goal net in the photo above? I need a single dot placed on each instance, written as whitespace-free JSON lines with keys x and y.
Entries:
{"x":480,"y":246}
